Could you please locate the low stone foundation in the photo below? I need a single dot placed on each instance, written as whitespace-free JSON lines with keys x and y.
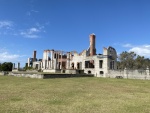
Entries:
{"x":65,"y":71}
{"x":46,"y":75}
{"x":65,"y":75}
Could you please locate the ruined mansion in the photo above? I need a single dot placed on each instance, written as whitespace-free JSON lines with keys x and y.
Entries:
{"x":87,"y":61}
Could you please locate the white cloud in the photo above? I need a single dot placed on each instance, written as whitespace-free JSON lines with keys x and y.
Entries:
{"x":30,"y":33}
{"x":8,"y":28}
{"x":6,"y":56}
{"x":142,"y":50}
{"x":29,"y":13}
{"x":6,"y":24}
{"x":35,"y":11}
{"x":127,"y":45}
{"x":40,"y":26}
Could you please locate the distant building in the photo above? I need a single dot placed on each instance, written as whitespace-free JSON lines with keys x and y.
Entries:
{"x":70,"y":62}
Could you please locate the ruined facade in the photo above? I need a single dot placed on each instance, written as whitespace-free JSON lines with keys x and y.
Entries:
{"x":68,"y":62}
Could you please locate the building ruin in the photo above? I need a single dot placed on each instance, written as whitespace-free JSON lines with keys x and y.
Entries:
{"x":87,"y":61}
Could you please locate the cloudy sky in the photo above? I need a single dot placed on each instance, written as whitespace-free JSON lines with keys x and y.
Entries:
{"x":27,"y":25}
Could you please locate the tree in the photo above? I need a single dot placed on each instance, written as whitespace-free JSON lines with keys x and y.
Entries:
{"x":127,"y":60}
{"x":130,"y":61}
{"x":147,"y":62}
{"x":140,"y":62}
{"x":6,"y":66}
{"x":0,"y":67}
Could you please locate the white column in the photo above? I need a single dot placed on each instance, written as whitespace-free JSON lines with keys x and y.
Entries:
{"x":68,"y":60}
{"x":13,"y":65}
{"x":52,"y":56}
{"x":18,"y":67}
{"x":55,"y":64}
{"x":45,"y":64}
{"x":47,"y":53}
{"x":28,"y":62}
{"x":41,"y":64}
{"x":49,"y":64}
{"x":61,"y":60}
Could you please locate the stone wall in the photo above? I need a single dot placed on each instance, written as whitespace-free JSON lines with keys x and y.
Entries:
{"x":131,"y":74}
{"x":30,"y":75}
{"x":43,"y":76}
{"x":4,"y":73}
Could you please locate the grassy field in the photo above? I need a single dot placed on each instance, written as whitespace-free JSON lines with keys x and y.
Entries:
{"x":74,"y":95}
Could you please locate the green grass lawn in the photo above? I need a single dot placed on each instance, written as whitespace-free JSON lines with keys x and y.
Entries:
{"x":74,"y":95}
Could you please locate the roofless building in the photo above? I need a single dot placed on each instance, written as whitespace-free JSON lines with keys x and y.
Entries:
{"x":87,"y":61}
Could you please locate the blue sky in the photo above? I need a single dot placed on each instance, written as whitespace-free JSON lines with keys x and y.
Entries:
{"x":27,"y":25}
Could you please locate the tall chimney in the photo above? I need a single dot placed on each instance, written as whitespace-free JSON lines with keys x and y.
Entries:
{"x":92,"y":45}
{"x":34,"y":55}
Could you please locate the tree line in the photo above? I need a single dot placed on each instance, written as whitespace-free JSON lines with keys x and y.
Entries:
{"x":131,"y":60}
{"x":6,"y":66}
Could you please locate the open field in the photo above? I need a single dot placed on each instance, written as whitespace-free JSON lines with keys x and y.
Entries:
{"x":73,"y":95}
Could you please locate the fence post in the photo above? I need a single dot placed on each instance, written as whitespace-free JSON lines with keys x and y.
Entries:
{"x":125,"y":73}
{"x":147,"y":72}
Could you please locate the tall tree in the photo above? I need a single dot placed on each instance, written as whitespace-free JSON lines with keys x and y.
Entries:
{"x":0,"y":67}
{"x":147,"y":62}
{"x":127,"y":60}
{"x":140,"y":62}
{"x":6,"y":66}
